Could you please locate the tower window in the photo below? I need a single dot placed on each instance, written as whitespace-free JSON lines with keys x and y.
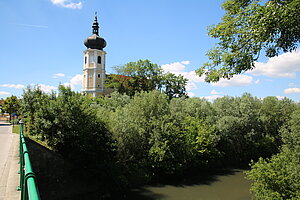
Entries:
{"x":99,"y":75}
{"x":91,"y":75}
{"x":85,"y":59}
{"x":99,"y":59}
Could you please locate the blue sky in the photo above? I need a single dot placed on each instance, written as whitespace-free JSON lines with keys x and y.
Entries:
{"x":42,"y":43}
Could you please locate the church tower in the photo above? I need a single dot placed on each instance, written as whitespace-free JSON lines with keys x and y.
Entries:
{"x":94,"y":63}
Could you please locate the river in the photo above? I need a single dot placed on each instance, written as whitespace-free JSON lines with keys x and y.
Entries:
{"x":225,"y":185}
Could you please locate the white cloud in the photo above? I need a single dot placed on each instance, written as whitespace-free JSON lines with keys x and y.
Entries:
{"x":76,"y":80}
{"x":174,"y":67}
{"x":280,"y":97}
{"x":215,"y":92}
{"x":186,"y":62}
{"x":66,"y":84}
{"x":4,"y":93}
{"x":178,"y":68}
{"x":285,"y":65}
{"x":212,"y":97}
{"x":46,"y":88}
{"x":191,"y":86}
{"x":192,"y":76}
{"x":68,"y":4}
{"x":292,"y":90}
{"x":58,"y":75}
{"x":237,"y":80}
{"x":191,"y":94}
{"x":257,"y":81}
{"x":16,"y":86}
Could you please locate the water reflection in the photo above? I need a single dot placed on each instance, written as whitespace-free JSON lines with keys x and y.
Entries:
{"x":225,"y":185}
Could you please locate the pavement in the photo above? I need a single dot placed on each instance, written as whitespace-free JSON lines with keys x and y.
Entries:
{"x":9,"y":167}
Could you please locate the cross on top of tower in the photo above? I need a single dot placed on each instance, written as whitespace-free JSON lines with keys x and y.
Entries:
{"x":95,"y":25}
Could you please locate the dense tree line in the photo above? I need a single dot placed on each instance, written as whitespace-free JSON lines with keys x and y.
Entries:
{"x":140,"y":138}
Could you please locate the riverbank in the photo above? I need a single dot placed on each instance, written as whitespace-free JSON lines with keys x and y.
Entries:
{"x":55,"y":175}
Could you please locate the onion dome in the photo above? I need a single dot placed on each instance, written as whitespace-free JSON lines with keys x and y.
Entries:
{"x":95,"y":41}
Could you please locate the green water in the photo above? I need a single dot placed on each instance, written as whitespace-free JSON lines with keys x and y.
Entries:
{"x":230,"y":185}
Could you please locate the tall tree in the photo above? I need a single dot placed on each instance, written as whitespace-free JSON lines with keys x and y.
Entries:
{"x":11,"y":105}
{"x":143,"y":75}
{"x":247,"y":28}
{"x":132,"y":77}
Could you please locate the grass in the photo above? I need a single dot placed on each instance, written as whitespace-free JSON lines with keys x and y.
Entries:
{"x":39,"y":141}
{"x":16,"y":129}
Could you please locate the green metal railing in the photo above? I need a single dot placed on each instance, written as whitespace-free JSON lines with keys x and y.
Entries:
{"x":28,"y":184}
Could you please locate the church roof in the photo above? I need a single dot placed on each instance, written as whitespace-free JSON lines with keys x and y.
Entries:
{"x":95,"y":41}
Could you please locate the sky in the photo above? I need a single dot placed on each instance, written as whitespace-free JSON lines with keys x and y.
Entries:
{"x":42,"y":44}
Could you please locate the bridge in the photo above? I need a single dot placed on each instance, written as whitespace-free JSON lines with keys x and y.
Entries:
{"x":17,"y":180}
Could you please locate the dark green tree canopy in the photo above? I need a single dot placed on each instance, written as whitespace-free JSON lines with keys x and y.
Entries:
{"x":247,"y":28}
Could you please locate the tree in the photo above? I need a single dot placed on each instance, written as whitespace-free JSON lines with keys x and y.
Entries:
{"x":134,"y":127}
{"x":247,"y":28}
{"x":174,"y":85}
{"x":279,"y":176}
{"x":31,"y":103}
{"x":274,"y":113}
{"x":1,"y":102}
{"x":143,"y":75}
{"x":200,"y":141}
{"x":69,"y":125}
{"x":136,"y":77}
{"x":11,"y":105}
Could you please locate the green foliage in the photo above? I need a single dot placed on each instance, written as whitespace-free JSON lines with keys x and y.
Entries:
{"x":135,"y":77}
{"x":274,"y":114}
{"x":149,"y":134}
{"x":276,"y":178}
{"x":249,"y":127}
{"x":11,"y":105}
{"x":132,"y":126}
{"x":68,"y":124}
{"x":291,"y":132}
{"x":143,"y":75}
{"x":173,"y":85}
{"x":247,"y":28}
{"x":279,"y":176}
{"x":30,"y":104}
{"x":140,"y":138}
{"x":201,"y":141}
